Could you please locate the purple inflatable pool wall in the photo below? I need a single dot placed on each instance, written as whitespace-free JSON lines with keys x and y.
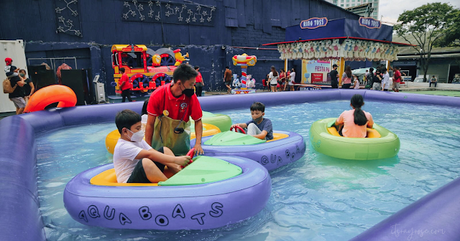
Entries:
{"x":438,"y":211}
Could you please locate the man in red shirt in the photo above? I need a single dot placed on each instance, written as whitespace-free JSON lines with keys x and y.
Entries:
{"x":199,"y":82}
{"x":396,"y":79}
{"x":125,"y":86}
{"x":169,"y":110}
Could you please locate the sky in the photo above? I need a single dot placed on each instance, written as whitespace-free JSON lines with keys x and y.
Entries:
{"x":391,"y":9}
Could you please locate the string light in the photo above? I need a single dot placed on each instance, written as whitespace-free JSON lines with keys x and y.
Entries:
{"x":68,"y":25}
{"x":190,"y":13}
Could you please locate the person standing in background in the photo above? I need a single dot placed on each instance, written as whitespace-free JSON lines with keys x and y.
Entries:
{"x":397,"y":79}
{"x":370,"y":78}
{"x":17,"y":96}
{"x":334,"y":77}
{"x":199,"y":82}
{"x":125,"y":86}
{"x":282,"y":80}
{"x":385,"y":81}
{"x":228,"y":79}
{"x":273,"y":78}
{"x":356,"y":83}
{"x":377,"y":81}
{"x":28,"y":88}
{"x":292,"y":79}
{"x":365,"y":77}
{"x":346,"y":78}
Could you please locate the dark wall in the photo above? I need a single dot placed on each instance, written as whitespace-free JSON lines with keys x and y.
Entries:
{"x":207,"y":29}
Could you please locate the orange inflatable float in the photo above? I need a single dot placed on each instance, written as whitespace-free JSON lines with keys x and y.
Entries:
{"x":61,"y":94}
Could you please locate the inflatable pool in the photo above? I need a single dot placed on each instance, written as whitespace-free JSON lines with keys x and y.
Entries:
{"x":286,"y":147}
{"x":381,"y":143}
{"x":112,"y":138}
{"x":18,"y":162}
{"x":209,"y":193}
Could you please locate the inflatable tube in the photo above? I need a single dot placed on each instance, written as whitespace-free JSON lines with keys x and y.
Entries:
{"x":112,"y":138}
{"x":223,"y":122}
{"x":23,"y":220}
{"x":287,"y":147}
{"x":385,"y":146}
{"x":199,"y":206}
{"x":49,"y":95}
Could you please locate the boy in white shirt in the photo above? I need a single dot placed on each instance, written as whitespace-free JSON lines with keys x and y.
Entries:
{"x":134,"y":160}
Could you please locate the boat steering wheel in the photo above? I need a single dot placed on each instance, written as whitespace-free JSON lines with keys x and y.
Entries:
{"x":190,"y":153}
{"x":236,"y":128}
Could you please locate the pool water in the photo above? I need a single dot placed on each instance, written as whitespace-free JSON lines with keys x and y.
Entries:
{"x":316,"y":198}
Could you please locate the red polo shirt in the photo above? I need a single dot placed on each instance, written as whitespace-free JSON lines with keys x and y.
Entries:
{"x":397,"y":76}
{"x":125,"y":79}
{"x":174,"y":105}
{"x":199,"y":78}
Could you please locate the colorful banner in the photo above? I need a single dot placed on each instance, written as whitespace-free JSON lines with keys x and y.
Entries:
{"x":350,"y":49}
{"x":315,"y":71}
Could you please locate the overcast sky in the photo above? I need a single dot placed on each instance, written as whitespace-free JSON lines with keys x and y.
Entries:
{"x":391,"y":9}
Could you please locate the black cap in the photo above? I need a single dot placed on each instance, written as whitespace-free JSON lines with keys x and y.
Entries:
{"x":334,"y":66}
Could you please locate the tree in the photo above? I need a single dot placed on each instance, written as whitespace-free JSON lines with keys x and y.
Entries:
{"x":452,"y":33}
{"x":426,"y":25}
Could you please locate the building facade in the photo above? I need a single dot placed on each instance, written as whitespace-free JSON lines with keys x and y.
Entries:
{"x":211,"y":31}
{"x":352,"y":5}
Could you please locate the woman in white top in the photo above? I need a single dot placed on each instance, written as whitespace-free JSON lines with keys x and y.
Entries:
{"x":273,"y":78}
{"x":356,"y":84}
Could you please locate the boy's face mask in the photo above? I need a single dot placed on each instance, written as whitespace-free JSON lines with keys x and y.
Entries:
{"x":137,"y":136}
{"x":22,"y":74}
{"x":257,"y":116}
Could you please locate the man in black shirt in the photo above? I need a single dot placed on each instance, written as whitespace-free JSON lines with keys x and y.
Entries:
{"x":334,"y":76}
{"x":17,"y":96}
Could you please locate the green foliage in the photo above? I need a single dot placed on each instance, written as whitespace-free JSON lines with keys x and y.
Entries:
{"x":452,"y":33}
{"x":429,"y":25}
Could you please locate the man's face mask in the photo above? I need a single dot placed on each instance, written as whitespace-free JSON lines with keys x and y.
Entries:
{"x":187,"y":92}
{"x":22,"y":74}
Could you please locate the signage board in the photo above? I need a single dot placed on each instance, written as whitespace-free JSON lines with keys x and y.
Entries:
{"x":313,"y":23}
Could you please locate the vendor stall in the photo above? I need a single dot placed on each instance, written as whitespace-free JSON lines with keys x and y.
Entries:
{"x":337,"y":41}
